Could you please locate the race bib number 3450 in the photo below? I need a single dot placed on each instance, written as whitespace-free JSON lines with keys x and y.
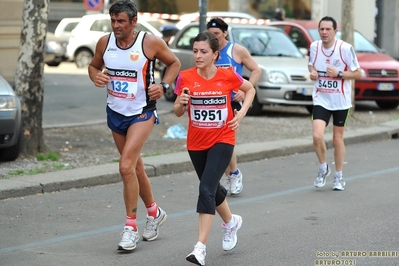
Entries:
{"x":329,"y":85}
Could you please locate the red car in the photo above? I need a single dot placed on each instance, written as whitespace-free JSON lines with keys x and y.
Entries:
{"x":379,"y":81}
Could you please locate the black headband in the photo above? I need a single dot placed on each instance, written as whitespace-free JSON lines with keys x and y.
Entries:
{"x":217,"y":23}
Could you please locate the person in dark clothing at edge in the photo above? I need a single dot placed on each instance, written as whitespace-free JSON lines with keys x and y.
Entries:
{"x":279,"y":14}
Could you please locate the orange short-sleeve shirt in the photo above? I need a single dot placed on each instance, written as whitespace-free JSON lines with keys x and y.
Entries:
{"x":209,"y":108}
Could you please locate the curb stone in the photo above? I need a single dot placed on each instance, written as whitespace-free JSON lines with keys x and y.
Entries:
{"x":179,"y":162}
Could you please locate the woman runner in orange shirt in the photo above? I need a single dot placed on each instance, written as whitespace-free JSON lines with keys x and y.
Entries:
{"x":205,"y":91}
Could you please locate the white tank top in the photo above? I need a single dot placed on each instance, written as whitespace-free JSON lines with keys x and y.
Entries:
{"x":131,"y":72}
{"x":332,"y":93}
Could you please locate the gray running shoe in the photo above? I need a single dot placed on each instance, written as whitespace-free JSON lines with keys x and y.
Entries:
{"x":129,"y":239}
{"x":225,"y":182}
{"x":339,"y":183}
{"x":236,"y":183}
{"x":152,"y":225}
{"x":320,"y":180}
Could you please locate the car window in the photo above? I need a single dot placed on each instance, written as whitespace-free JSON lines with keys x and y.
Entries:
{"x":186,"y":39}
{"x":70,"y":26}
{"x":361,"y":43}
{"x":314,"y":34}
{"x":265,"y":42}
{"x":281,"y":27}
{"x":141,"y":27}
{"x":298,"y":37}
{"x":101,"y":25}
{"x":157,"y":23}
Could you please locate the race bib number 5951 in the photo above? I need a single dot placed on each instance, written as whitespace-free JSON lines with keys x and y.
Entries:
{"x":209,"y":112}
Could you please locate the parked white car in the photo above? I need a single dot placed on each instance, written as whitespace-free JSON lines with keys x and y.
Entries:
{"x":192,"y":17}
{"x":91,"y":28}
{"x":285,"y":77}
{"x":65,"y":27}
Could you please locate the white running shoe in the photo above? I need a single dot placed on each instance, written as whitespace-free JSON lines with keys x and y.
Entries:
{"x":230,"y":234}
{"x":236,"y":183}
{"x":152,"y":225}
{"x":320,"y":180}
{"x":225,"y":182}
{"x":198,"y":255}
{"x":339,"y":183}
{"x":129,"y":239}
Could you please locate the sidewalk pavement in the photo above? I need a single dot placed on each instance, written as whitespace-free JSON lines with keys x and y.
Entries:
{"x":179,"y":162}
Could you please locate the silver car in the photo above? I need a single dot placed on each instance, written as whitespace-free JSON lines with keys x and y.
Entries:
{"x":55,"y":50}
{"x":10,"y":122}
{"x":285,"y":76}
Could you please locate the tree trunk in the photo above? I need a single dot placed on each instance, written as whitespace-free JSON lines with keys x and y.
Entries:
{"x":29,"y":74}
{"x":347,"y":31}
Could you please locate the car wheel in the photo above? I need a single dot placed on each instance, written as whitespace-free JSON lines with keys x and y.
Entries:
{"x":83,"y":58}
{"x":387,"y":105}
{"x":256,"y":107}
{"x":53,"y":64}
{"x":170,"y":93}
{"x":11,"y":153}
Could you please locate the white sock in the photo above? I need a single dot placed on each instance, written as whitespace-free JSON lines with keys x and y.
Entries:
{"x":231,"y":223}
{"x":323,"y":167}
{"x":199,"y":244}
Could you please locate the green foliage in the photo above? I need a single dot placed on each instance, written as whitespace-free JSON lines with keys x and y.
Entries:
{"x":158,"y":6}
{"x":52,"y":156}
{"x":36,"y":171}
{"x":16,"y":173}
{"x":41,"y":157}
{"x":59,"y":166}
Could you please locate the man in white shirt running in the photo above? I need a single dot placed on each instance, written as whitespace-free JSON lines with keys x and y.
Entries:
{"x":332,"y":65}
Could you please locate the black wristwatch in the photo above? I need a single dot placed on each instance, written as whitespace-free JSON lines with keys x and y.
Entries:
{"x":165,"y":86}
{"x":340,"y":75}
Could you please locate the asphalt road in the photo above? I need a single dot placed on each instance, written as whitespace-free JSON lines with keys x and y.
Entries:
{"x":70,"y":98}
{"x":286,"y":220}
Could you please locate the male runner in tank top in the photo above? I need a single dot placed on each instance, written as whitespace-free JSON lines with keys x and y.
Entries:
{"x":124,"y":63}
{"x":237,"y":56}
{"x":332,"y":65}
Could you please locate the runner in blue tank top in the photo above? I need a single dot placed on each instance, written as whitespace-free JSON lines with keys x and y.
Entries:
{"x":233,"y":54}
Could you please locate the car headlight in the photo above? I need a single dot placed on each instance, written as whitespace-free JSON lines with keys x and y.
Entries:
{"x":53,"y":46}
{"x":363,"y":73}
{"x":277,"y":77}
{"x":7,"y":102}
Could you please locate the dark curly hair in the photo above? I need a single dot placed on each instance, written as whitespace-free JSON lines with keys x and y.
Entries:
{"x":127,"y":6}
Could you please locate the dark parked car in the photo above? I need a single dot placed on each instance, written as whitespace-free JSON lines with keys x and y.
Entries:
{"x":55,"y":50}
{"x":10,"y":122}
